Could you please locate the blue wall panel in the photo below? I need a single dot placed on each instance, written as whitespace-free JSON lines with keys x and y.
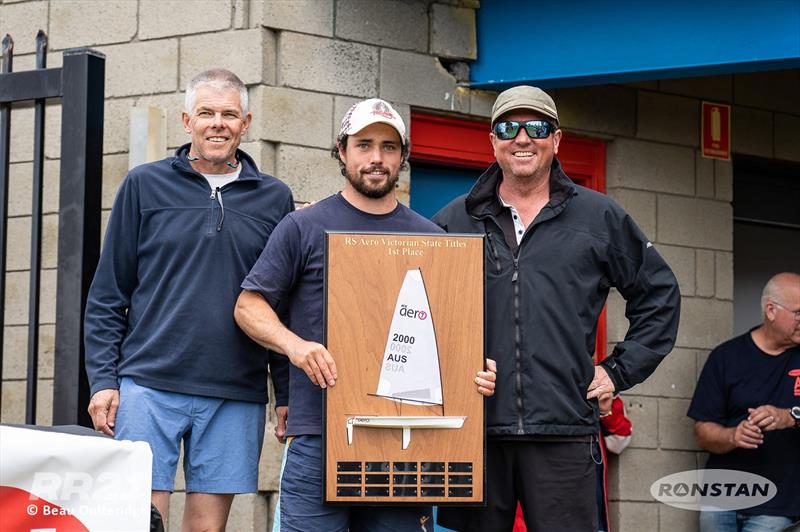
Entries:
{"x":571,"y":43}
{"x":434,"y":186}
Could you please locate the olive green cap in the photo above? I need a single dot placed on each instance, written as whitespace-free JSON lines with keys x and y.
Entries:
{"x":524,"y":97}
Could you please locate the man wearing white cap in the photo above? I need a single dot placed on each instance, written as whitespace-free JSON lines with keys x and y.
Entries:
{"x":288,"y":277}
{"x":553,"y":251}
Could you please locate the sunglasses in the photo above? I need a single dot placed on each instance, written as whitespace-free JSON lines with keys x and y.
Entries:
{"x":536,"y":129}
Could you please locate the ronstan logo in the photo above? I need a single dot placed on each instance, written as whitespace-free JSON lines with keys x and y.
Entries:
{"x":713,"y":490}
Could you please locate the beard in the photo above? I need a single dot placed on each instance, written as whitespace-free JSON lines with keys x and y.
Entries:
{"x":375,"y":191}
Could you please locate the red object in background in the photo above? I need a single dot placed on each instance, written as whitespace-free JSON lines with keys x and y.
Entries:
{"x":519,"y":521}
{"x":715,"y":132}
{"x":450,"y":141}
{"x":796,"y":373}
{"x":617,"y":422}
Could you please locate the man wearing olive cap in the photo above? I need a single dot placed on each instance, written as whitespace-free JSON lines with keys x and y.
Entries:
{"x":553,"y":251}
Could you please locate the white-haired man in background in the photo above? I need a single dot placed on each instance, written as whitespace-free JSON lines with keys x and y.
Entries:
{"x":746,"y":409}
{"x":166,"y":362}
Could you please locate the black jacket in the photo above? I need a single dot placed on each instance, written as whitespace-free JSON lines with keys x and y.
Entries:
{"x":542,"y":304}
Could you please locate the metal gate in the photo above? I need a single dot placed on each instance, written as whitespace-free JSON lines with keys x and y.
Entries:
{"x":80,"y":85}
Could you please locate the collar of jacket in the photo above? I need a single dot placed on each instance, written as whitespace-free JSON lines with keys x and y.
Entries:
{"x":483,"y":200}
{"x":249,"y":169}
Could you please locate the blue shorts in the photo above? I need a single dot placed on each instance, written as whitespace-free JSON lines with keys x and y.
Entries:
{"x":221,"y":438}
{"x":301,"y":505}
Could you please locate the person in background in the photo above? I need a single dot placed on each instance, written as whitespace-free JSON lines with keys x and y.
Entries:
{"x":746,"y":410}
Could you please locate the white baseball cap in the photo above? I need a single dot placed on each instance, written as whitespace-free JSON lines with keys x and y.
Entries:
{"x":372,"y":111}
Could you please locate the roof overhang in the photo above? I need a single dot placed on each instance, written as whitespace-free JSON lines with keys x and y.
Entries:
{"x":572,"y":43}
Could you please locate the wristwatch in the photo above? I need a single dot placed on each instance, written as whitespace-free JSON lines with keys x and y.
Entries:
{"x":795,"y":413}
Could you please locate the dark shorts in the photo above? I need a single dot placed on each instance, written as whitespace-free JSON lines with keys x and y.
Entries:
{"x":554,"y":482}
{"x":301,"y":505}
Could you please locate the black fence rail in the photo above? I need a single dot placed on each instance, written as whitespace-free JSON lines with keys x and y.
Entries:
{"x":80,"y":85}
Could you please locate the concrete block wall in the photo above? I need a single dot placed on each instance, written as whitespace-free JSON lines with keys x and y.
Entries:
{"x":655,"y":171}
{"x":305,"y":62}
{"x":682,"y":201}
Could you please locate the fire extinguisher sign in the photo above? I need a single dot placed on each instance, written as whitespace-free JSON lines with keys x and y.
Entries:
{"x":716,"y":130}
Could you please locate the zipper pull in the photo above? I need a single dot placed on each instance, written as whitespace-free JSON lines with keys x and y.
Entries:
{"x":218,"y":194}
{"x":516,"y":271}
{"x":214,"y":193}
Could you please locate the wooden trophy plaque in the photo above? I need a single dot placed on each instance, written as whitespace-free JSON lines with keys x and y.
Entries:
{"x":404,"y":321}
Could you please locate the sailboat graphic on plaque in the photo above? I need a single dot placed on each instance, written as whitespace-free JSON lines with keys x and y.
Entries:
{"x":410,"y":370}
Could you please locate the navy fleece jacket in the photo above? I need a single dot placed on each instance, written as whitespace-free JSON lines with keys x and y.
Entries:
{"x":160,"y":308}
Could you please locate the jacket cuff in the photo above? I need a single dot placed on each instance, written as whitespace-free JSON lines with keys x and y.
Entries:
{"x":614,"y":373}
{"x":281,"y":395}
{"x":279,"y":402}
{"x":104,"y":384}
{"x":279,"y":372}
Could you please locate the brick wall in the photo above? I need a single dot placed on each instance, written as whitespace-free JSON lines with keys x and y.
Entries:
{"x":305,"y":62}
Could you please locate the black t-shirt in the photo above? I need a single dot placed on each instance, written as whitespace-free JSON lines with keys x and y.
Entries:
{"x":737,"y":376}
{"x":290,"y":275}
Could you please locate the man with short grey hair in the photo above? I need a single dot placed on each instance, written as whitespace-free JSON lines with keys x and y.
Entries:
{"x":221,"y":80}
{"x":166,"y":362}
{"x":746,"y":408}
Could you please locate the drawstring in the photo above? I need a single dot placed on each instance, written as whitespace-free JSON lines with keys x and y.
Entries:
{"x":217,"y":195}
{"x":594,"y":443}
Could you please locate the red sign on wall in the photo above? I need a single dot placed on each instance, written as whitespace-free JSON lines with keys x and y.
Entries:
{"x":716,"y":131}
